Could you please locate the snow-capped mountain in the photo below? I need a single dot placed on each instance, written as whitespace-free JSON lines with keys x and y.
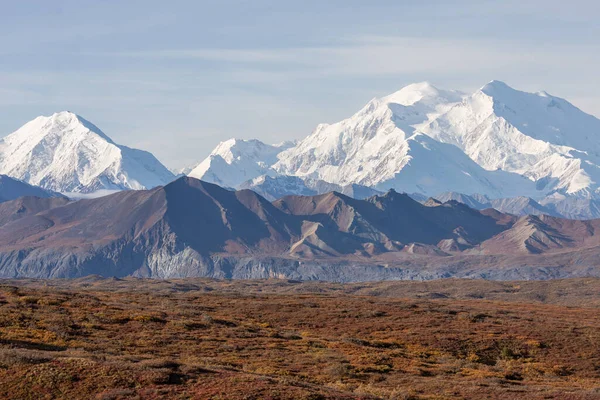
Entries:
{"x":498,"y":142}
{"x":542,"y":137}
{"x":66,"y":153}
{"x":278,"y":186}
{"x":519,"y":205}
{"x":236,"y":161}
{"x":373,"y":145}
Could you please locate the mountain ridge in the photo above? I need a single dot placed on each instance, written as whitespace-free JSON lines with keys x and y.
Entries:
{"x":195,"y":228}
{"x":541,"y":143}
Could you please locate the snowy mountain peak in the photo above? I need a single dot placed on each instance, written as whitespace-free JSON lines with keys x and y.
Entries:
{"x":413,"y":93}
{"x":236,"y":161}
{"x":65,"y":117}
{"x":507,"y":95}
{"x":373,"y":145}
{"x":65,"y":122}
{"x":537,"y":135}
{"x":422,"y":92}
{"x":495,"y":86}
{"x":233,"y":149}
{"x":66,"y":153}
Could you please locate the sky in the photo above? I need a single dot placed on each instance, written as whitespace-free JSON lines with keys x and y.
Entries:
{"x":177,"y":77}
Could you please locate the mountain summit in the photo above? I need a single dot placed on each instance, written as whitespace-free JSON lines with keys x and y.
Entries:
{"x":66,"y":153}
{"x":542,"y":137}
{"x":236,"y":161}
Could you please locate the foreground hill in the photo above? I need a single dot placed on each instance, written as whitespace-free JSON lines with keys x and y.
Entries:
{"x":194,"y":228}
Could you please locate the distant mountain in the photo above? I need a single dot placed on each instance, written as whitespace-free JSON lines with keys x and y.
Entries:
{"x":278,"y":186}
{"x":66,"y":153}
{"x":236,"y":161}
{"x":473,"y":201}
{"x":194,"y":228}
{"x":11,"y":189}
{"x":542,"y":137}
{"x":572,"y":207}
{"x":498,"y":142}
{"x":522,"y":206}
{"x":381,"y":147}
{"x":514,"y":205}
{"x":275,"y":187}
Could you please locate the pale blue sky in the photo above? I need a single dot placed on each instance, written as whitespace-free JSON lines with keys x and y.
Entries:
{"x":176,"y":77}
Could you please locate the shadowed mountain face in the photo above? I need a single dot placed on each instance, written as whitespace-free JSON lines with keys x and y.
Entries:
{"x":27,"y":206}
{"x":394,"y":219}
{"x":211,"y":219}
{"x":194,"y":228}
{"x":12,"y":189}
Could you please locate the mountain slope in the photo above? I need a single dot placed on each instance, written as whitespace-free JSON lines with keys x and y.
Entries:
{"x":27,"y":206}
{"x":540,"y":136}
{"x":519,"y":205}
{"x":66,"y":153}
{"x":542,"y":234}
{"x":430,"y":167}
{"x":194,"y":228}
{"x":11,"y":189}
{"x":236,"y":161}
{"x":380,"y":147}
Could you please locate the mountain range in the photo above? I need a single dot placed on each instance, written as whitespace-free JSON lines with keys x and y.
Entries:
{"x":195,"y":228}
{"x":497,"y":142}
{"x":502,"y":184}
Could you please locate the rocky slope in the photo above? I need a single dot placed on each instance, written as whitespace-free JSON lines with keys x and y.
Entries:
{"x":194,"y":228}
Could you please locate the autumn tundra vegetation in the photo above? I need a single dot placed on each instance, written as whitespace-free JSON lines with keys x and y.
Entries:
{"x":209,"y":339}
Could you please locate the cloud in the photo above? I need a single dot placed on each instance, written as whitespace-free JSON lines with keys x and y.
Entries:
{"x":373,"y":55}
{"x":158,"y":99}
